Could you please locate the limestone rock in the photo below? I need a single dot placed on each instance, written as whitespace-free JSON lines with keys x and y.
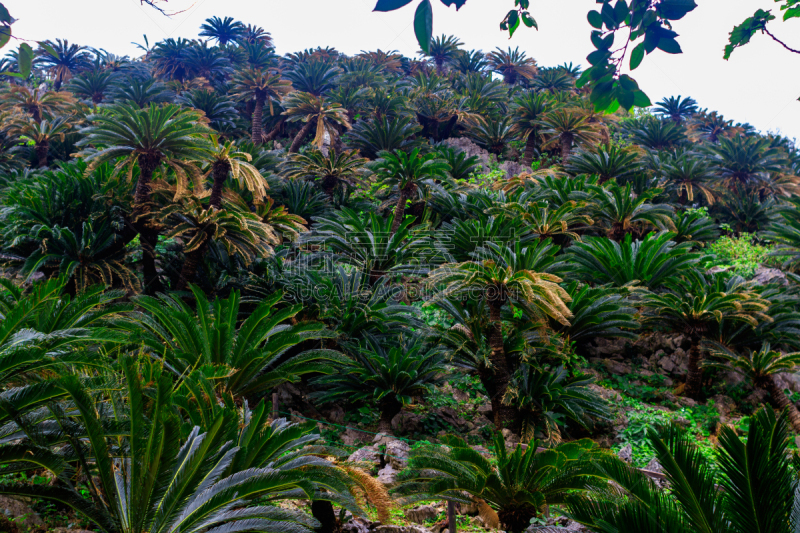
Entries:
{"x":397,"y":453}
{"x":368,"y":454}
{"x":626,"y":453}
{"x":420,"y":514}
{"x":21,"y":513}
{"x":764,"y":276}
{"x":401,"y":529}
{"x":387,"y":475}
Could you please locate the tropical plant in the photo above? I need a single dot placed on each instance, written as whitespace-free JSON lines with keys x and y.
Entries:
{"x":62,"y":60}
{"x":513,"y":65}
{"x":316,"y":113}
{"x":387,"y":374}
{"x":606,"y":162}
{"x":676,"y":108}
{"x":622,"y":213}
{"x":503,"y":276}
{"x":259,"y":87}
{"x":443,"y":51}
{"x":761,"y":367}
{"x":697,"y":308}
{"x":223,"y":31}
{"x":565,"y":127}
{"x":493,"y":134}
{"x":140,"y":91}
{"x":371,"y":137}
{"x":149,"y":137}
{"x":510,"y":487}
{"x":652,"y":262}
{"x":41,"y":134}
{"x":409,"y":174}
{"x":91,"y":85}
{"x":315,"y":77}
{"x":597,"y":312}
{"x":38,"y":103}
{"x":749,"y":487}
{"x":549,"y":399}
{"x":249,"y":356}
{"x":336,"y":170}
{"x":218,"y":109}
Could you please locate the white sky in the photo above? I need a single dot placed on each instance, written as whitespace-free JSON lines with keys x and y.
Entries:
{"x":760,"y":84}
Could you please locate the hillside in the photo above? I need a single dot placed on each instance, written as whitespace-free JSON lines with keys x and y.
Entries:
{"x":318,"y":292}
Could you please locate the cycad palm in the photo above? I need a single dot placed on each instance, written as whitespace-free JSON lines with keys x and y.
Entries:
{"x":254,"y":354}
{"x":41,"y":133}
{"x":697,"y":308}
{"x":225,"y":159}
{"x":149,"y":137}
{"x":750,"y":488}
{"x":314,"y":112}
{"x":566,"y":127}
{"x":259,"y":87}
{"x":528,"y":110}
{"x":510,"y":487}
{"x":503,"y":277}
{"x":761,"y":367}
{"x":337,"y":169}
{"x":408,"y":173}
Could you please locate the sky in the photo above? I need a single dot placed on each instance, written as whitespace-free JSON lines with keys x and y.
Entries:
{"x":760,"y":84}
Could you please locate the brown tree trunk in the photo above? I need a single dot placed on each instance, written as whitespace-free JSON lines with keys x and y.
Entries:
{"x":298,"y":140}
{"x":97,"y":98}
{"x":399,"y":211}
{"x":189,"y":269}
{"x":42,"y":149}
{"x":322,"y":510}
{"x":530,"y":147}
{"x":274,"y":132}
{"x":148,"y":235}
{"x":220,"y":172}
{"x":694,"y":378}
{"x":504,"y":415}
{"x":390,"y":406}
{"x":566,"y":146}
{"x":258,"y":115}
{"x":782,"y":402}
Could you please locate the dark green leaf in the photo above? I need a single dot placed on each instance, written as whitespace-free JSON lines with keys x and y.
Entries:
{"x":528,"y":20}
{"x":423,"y":25}
{"x":625,"y":98}
{"x":25,"y":59}
{"x":458,"y":3}
{"x":628,"y":83}
{"x":595,"y":19}
{"x":47,"y":48}
{"x":620,"y":11}
{"x":609,"y":17}
{"x":5,"y":35}
{"x":5,"y":16}
{"x":598,"y":56}
{"x":513,"y":23}
{"x":669,"y":45}
{"x":390,"y":5}
{"x":675,"y":9}
{"x":641,"y":100}
{"x":637,"y":55}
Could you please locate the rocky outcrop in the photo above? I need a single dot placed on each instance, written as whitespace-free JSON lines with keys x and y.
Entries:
{"x":419,"y":515}
{"x":510,"y":168}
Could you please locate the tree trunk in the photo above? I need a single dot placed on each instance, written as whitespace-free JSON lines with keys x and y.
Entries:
{"x":566,"y":146}
{"x":322,"y":510}
{"x":42,"y":149}
{"x":694,"y":378}
{"x":148,"y":235}
{"x":258,"y":115}
{"x":298,"y":140}
{"x":220,"y":171}
{"x":399,"y":211}
{"x":190,"y":265}
{"x":782,"y":402}
{"x":530,"y":148}
{"x":97,"y":98}
{"x":504,"y":415}
{"x":390,"y":406}
{"x":274,"y":132}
